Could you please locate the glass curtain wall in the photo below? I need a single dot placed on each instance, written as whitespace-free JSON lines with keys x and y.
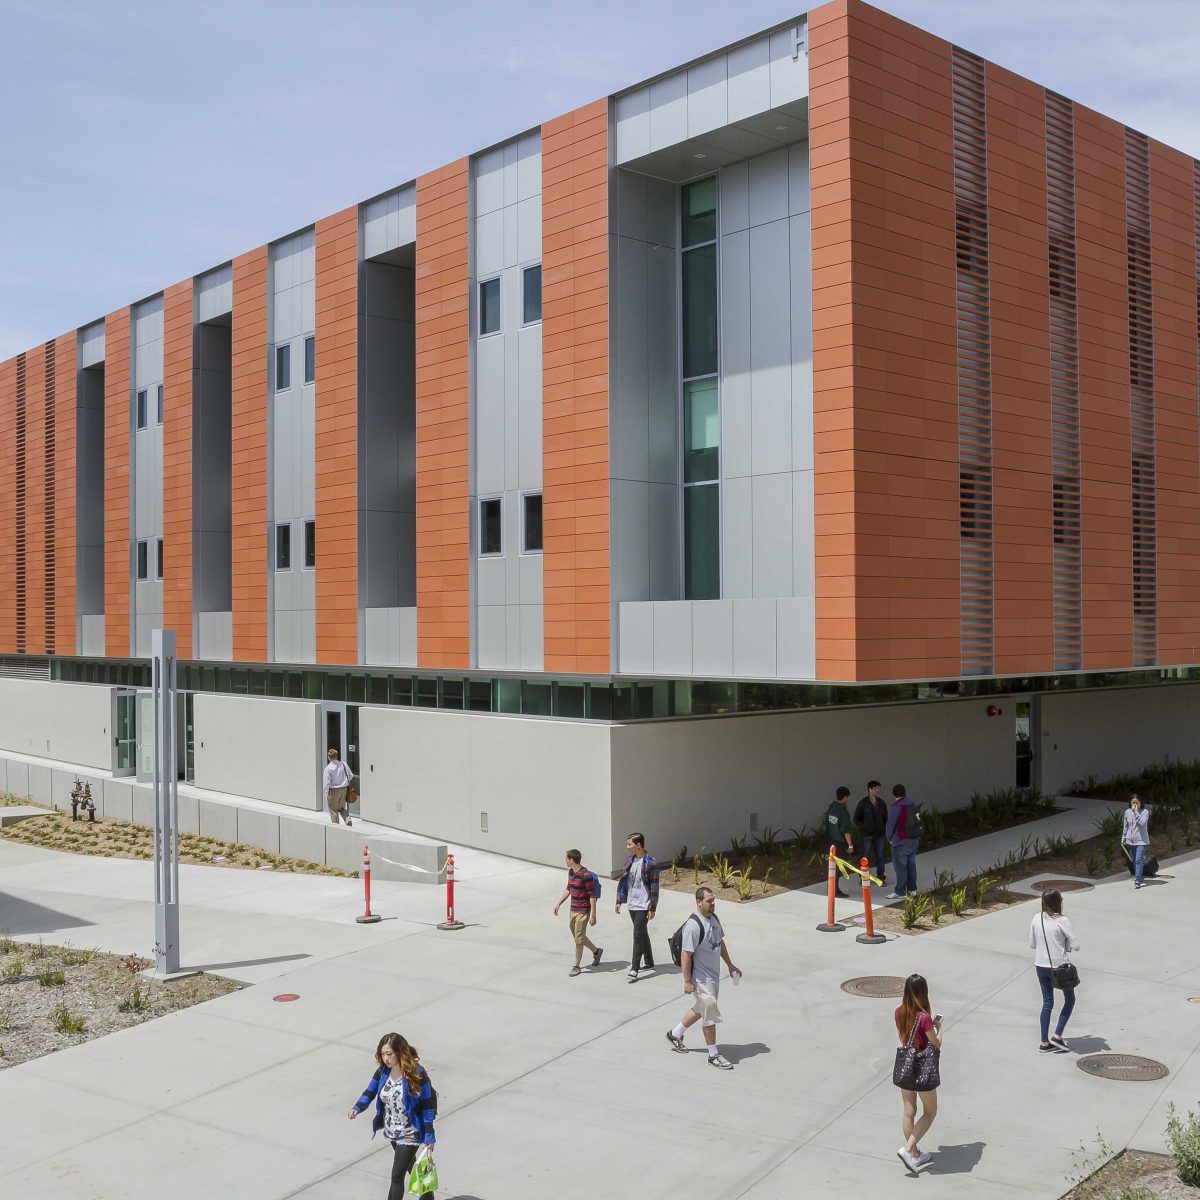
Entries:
{"x":701,"y":393}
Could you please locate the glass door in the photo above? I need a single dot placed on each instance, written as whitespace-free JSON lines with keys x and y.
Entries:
{"x":341,"y":734}
{"x":124,"y":731}
{"x":1024,"y":743}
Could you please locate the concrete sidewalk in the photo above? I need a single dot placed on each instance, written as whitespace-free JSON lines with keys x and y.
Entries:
{"x":541,"y":1075}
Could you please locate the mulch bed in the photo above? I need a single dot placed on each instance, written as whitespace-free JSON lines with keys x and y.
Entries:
{"x":1133,"y":1175}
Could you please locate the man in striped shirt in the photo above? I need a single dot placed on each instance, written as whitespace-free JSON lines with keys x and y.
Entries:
{"x":582,"y":890}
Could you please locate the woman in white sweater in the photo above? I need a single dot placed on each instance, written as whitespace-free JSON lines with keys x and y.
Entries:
{"x":1051,"y":936}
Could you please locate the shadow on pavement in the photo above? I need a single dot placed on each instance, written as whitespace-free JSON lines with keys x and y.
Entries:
{"x":737,"y":1054}
{"x":246,"y":962}
{"x":1087,"y":1045}
{"x":957,"y":1160}
{"x":22,"y":917}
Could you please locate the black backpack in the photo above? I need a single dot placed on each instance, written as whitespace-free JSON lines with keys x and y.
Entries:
{"x":675,"y":941}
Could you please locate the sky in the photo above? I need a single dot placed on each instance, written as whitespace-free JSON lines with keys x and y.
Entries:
{"x":142,"y":143}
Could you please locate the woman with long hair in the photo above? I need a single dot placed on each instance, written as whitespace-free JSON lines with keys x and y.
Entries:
{"x":1052,"y":939}
{"x":404,"y":1107}
{"x":1135,"y":833}
{"x":916,"y":1023}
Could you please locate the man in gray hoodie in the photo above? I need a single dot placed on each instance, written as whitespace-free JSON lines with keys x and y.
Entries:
{"x":904,"y":834}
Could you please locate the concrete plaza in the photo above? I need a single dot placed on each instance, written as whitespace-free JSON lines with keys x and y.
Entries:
{"x":545,"y":1079}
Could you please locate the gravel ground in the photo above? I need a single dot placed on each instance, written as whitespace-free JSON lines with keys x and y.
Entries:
{"x":80,"y":995}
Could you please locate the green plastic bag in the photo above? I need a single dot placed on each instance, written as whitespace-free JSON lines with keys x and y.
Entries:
{"x":423,"y":1178}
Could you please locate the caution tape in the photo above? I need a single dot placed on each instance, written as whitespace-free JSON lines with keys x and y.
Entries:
{"x":409,"y":866}
{"x":846,"y":868}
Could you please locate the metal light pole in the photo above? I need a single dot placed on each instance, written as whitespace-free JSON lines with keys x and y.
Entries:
{"x":166,"y":806}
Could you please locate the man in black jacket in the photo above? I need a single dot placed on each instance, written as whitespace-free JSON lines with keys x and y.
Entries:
{"x":870,"y":819}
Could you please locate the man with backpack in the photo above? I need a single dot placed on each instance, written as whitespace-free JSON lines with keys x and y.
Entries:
{"x":638,"y":887}
{"x":904,"y":834}
{"x":701,"y":944}
{"x":583,"y":886}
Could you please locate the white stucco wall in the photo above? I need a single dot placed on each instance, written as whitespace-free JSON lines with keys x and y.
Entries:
{"x":1116,"y":731}
{"x":259,"y":746}
{"x":697,"y":782}
{"x":543,"y":784}
{"x":65,"y":721}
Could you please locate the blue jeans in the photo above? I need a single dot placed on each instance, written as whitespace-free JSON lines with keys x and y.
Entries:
{"x":1139,"y":861}
{"x":1043,"y":974}
{"x":904,"y":860}
{"x":873,"y":852}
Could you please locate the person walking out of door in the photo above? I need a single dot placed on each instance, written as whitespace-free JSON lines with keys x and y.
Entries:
{"x":870,"y":819}
{"x":638,"y":887}
{"x":1136,"y":835}
{"x":581,"y":887}
{"x":336,"y":783}
{"x":839,"y":829}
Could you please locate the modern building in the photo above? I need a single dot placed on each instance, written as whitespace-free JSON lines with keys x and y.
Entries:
{"x":822,"y":408}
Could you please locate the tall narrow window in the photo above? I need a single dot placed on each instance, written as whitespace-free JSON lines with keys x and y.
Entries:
{"x":531,"y":295}
{"x":310,"y":359}
{"x":490,"y":538}
{"x":142,"y":399}
{"x":159,"y":417}
{"x":489,"y":307}
{"x":283,"y":547}
{"x":531,"y":523}
{"x":310,"y":544}
{"x":701,"y":417}
{"x":283,"y":368}
{"x":143,"y":560}
{"x":158,"y":559}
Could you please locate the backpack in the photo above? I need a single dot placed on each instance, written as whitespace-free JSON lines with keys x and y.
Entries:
{"x":918,"y":823}
{"x":595,"y":883}
{"x":675,"y":941}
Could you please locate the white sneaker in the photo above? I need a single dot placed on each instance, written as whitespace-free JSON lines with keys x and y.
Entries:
{"x":895,"y":896}
{"x":632,"y":976}
{"x":907,"y":1159}
{"x":923,"y":1160}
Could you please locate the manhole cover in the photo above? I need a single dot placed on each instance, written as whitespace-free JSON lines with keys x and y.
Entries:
{"x":879,"y":986}
{"x":1062,"y":885}
{"x":1122,"y":1066}
{"x":285,"y":997}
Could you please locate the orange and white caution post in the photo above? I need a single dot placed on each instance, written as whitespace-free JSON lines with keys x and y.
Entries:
{"x":368,"y":917}
{"x":830,"y":925}
{"x":870,"y":937}
{"x":450,"y":922}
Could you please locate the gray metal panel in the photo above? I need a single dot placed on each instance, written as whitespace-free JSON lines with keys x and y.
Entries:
{"x":664,"y":578}
{"x":799,"y":195}
{"x":661,"y":337}
{"x":660,"y":214}
{"x":407,"y":653}
{"x":631,"y":205}
{"x":377,"y":623}
{"x":489,"y":244}
{"x":532,"y":638}
{"x":214,"y":294}
{"x":631,"y":517}
{"x":529,"y":406}
{"x":707,"y":106}
{"x":491,"y":637}
{"x":712,"y":638}
{"x":770,"y":346}
{"x":801,"y":314}
{"x":797,"y":637}
{"x":632,"y":117}
{"x":734,"y":204}
{"x":672,"y":638}
{"x":306,"y":452}
{"x":749,"y":79}
{"x":529,"y":229}
{"x":489,"y":415}
{"x":736,"y":384}
{"x":789,"y":70}
{"x":531,"y":576}
{"x":737,"y":538}
{"x":512,"y":634}
{"x":489,"y":181}
{"x":668,"y":111}
{"x":91,"y":639}
{"x":490,"y":580}
{"x":768,"y":187}
{"x":772,"y":507}
{"x":804,"y":570}
{"x":754,"y":638}
{"x":305,"y":636}
{"x":635,"y":626}
{"x":630,"y":411}
{"x":529,"y":165}
{"x":91,"y":345}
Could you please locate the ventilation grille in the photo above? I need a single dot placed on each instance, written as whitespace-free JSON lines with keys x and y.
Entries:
{"x":24,"y":668}
{"x":974,"y":365}
{"x":19,"y":481}
{"x":1141,"y":399}
{"x":1064,"y":384}
{"x":50,"y":460}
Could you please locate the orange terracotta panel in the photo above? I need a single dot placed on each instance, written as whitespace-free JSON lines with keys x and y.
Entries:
{"x":61,"y":542}
{"x":118,"y":426}
{"x":35,"y":500}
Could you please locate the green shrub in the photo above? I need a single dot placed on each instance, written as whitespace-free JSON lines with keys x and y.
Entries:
{"x":1092,"y":863}
{"x":983,"y":884}
{"x":1111,"y":823}
{"x":64,"y":1022}
{"x":958,"y":900}
{"x":13,"y":969}
{"x":51,"y":978}
{"x":936,"y":911}
{"x":914,"y":910}
{"x":1184,"y":1136}
{"x":935,"y":825}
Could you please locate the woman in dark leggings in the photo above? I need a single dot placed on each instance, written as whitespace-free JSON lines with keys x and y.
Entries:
{"x":1051,"y":936}
{"x":404,"y":1107}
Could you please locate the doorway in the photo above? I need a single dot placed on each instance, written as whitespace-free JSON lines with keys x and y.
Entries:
{"x":340,"y":723}
{"x":1024,"y":743}
{"x":124,"y":758}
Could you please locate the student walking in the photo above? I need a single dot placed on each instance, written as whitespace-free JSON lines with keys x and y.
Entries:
{"x":839,"y":830}
{"x":917,"y":1069}
{"x":638,"y":887}
{"x":1052,"y":939}
{"x":581,"y":887}
{"x":904,"y":834}
{"x":405,"y":1108}
{"x":335,"y":783}
{"x":703,"y":949}
{"x":870,"y":819}
{"x":1136,"y":835}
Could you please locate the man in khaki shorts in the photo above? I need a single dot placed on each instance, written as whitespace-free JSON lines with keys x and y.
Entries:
{"x":703,"y":949}
{"x":582,"y":889}
{"x":335,"y":782}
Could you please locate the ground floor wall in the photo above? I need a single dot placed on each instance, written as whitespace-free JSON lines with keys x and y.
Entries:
{"x":66,"y":721}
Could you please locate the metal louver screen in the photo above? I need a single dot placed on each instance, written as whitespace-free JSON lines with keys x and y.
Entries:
{"x":974,"y":365}
{"x":1064,"y":384}
{"x":49,"y":458}
{"x":1141,"y":400}
{"x":19,"y":520}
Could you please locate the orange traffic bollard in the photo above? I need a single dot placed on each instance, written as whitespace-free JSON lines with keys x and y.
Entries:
{"x":870,"y":938}
{"x":830,"y":925}
{"x":368,"y":917}
{"x":451,"y":922}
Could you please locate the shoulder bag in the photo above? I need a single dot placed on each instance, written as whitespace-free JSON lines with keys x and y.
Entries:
{"x":917,"y":1070}
{"x":1065,"y":976}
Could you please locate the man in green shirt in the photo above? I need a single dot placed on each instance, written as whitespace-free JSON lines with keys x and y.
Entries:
{"x":839,"y":830}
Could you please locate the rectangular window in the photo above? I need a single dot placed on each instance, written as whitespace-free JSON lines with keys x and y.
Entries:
{"x":489,"y":307}
{"x":701,"y":535}
{"x":702,"y":431}
{"x":143,"y":560}
{"x":283,"y":547}
{"x":531,"y":295}
{"x":531,"y":523}
{"x":141,"y":409}
{"x":698,"y":218}
{"x":700,"y":311}
{"x":310,"y":544}
{"x":310,"y":359}
{"x":158,"y":563}
{"x":490,"y":539}
{"x":160,"y":404}
{"x":283,"y":368}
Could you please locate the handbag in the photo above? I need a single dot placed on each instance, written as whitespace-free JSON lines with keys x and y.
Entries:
{"x":917,"y":1070}
{"x":423,"y":1177}
{"x":1066,"y":975}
